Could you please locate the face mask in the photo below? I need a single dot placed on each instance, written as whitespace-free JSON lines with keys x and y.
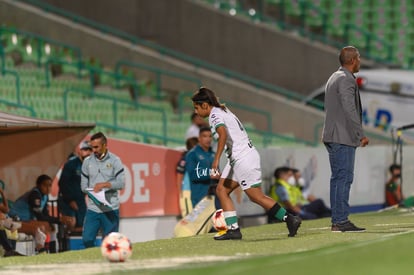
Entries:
{"x":291,"y":180}
{"x":397,"y":176}
{"x":301,"y":181}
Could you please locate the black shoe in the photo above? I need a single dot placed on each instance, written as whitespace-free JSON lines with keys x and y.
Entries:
{"x":230,"y":234}
{"x":12,"y":253}
{"x":346,"y":227}
{"x":293,"y":224}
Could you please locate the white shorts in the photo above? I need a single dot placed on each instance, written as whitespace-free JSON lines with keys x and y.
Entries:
{"x":246,"y":171}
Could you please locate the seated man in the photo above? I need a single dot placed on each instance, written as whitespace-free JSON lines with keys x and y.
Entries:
{"x":290,"y":197}
{"x":7,"y":225}
{"x":393,"y":194}
{"x":392,"y":187}
{"x":33,"y":212}
{"x":302,"y":185}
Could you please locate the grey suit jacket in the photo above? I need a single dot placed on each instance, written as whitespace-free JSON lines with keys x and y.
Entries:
{"x":343,"y":119}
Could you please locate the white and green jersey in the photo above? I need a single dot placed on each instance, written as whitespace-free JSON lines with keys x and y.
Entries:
{"x":238,"y":143}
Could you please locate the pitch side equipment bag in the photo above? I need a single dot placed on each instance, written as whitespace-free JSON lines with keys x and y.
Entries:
{"x":198,"y":221}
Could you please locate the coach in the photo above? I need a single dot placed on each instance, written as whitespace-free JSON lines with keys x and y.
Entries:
{"x":104,"y":172}
{"x":342,"y":134}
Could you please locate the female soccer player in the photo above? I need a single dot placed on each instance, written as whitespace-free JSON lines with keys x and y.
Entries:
{"x":243,"y":166}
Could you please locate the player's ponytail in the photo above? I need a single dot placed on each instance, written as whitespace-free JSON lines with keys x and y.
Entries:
{"x":206,"y":95}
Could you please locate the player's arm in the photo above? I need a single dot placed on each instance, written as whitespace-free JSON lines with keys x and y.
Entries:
{"x":117,"y":182}
{"x":397,"y":193}
{"x":179,"y":179}
{"x":221,"y":143}
{"x":283,"y":195}
{"x":41,"y":214}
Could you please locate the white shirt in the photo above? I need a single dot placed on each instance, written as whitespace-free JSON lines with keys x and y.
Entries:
{"x":238,"y":143}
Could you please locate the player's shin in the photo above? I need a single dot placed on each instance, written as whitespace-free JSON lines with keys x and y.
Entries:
{"x":231,"y":219}
{"x":278,"y":212}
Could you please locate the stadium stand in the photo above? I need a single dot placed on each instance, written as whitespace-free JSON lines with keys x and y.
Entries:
{"x":52,"y":80}
{"x":382,"y":29}
{"x":303,"y":123}
{"x":238,"y":87}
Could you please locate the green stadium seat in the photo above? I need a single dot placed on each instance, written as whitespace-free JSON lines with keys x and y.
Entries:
{"x":48,"y":101}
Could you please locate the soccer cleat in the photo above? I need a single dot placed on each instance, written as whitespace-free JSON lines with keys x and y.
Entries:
{"x":346,"y":227}
{"x":293,"y":224}
{"x":230,"y":234}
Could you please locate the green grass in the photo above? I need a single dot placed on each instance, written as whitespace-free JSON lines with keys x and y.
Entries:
{"x":385,"y":248}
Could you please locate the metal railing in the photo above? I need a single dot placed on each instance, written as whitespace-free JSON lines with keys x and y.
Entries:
{"x":16,"y":75}
{"x":159,"y":73}
{"x":41,"y":42}
{"x":165,"y":51}
{"x":267,"y":135}
{"x":5,"y":71}
{"x":89,"y":71}
{"x":147,"y":137}
{"x":370,"y":40}
{"x":20,"y":106}
{"x":115,"y":120}
{"x":306,"y":12}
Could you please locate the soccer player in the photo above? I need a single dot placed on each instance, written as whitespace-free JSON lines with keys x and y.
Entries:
{"x":243,"y":166}
{"x":33,"y":211}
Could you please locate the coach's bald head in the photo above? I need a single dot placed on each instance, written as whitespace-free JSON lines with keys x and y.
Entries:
{"x":349,"y":58}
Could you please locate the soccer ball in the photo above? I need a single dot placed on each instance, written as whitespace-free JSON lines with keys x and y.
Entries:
{"x":219,"y":223}
{"x":116,"y":247}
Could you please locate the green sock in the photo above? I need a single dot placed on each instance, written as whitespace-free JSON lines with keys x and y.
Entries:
{"x":280,"y":214}
{"x":231,"y":221}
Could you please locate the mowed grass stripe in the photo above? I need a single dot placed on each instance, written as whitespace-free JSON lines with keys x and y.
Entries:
{"x":263,"y":247}
{"x":390,"y":255}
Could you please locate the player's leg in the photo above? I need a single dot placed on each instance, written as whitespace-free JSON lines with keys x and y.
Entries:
{"x":256,"y":195}
{"x":80,"y":214}
{"x":223,"y":191}
{"x":249,"y":175}
{"x":90,"y":228}
{"x":110,"y":222}
{"x":224,"y":188}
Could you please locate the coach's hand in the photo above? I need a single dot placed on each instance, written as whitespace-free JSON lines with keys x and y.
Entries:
{"x":101,"y":185}
{"x":364,"y":141}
